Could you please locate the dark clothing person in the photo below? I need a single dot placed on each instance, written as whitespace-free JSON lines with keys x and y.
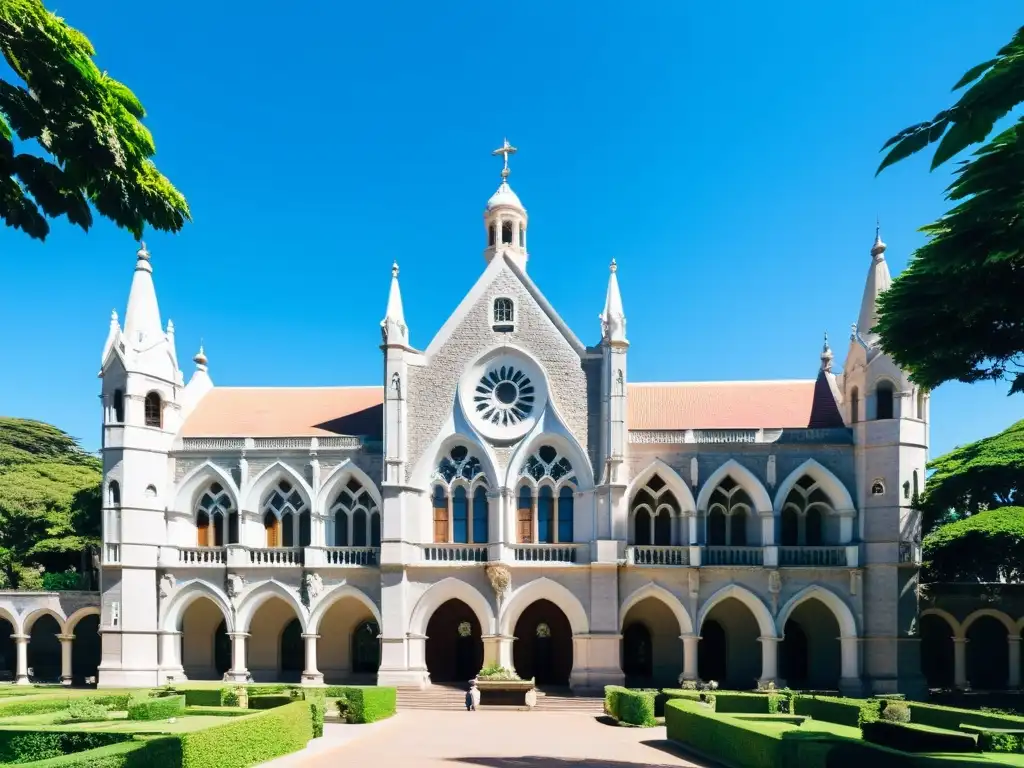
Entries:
{"x":469,"y":701}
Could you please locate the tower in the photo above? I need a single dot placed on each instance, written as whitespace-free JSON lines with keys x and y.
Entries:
{"x":888,"y":415}
{"x":613,"y":409}
{"x":141,"y":393}
{"x":505,"y":218}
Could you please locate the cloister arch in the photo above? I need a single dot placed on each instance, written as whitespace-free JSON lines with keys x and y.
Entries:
{"x":348,"y":625}
{"x":652,"y":621}
{"x":760,"y":611}
{"x":72,"y":621}
{"x":987,"y":653}
{"x":819,"y":636}
{"x":33,"y":616}
{"x":332,"y":596}
{"x":544,"y":589}
{"x":446,"y":589}
{"x":672,"y":479}
{"x":174,"y":607}
{"x":204,"y":651}
{"x":44,"y":652}
{"x":954,"y":624}
{"x":840,"y":610}
{"x":196,"y":481}
{"x":744,"y":478}
{"x":826,"y":480}
{"x":652,"y":590}
{"x":1002,"y":618}
{"x":737,"y":638}
{"x":253,"y":598}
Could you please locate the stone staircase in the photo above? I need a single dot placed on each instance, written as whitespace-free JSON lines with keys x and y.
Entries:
{"x":454,"y":698}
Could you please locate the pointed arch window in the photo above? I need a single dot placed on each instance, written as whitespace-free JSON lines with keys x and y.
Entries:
{"x":504,"y":314}
{"x":804,"y":514}
{"x":460,"y":516}
{"x":728,"y":514}
{"x":154,"y":410}
{"x":544,"y":513}
{"x":291,"y":516}
{"x":460,"y":501}
{"x":492,"y":235}
{"x":113,"y":493}
{"x":655,"y":513}
{"x":353,"y":517}
{"x":884,"y":406}
{"x":216,"y":518}
{"x":117,"y":408}
{"x":507,"y":230}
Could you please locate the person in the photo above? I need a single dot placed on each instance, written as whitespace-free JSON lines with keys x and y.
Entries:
{"x":476,"y":695}
{"x":469,"y":700}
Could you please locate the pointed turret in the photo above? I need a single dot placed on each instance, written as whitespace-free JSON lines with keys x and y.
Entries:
{"x":613,"y":318}
{"x":826,"y":356}
{"x":393,"y":328}
{"x":825,"y":411}
{"x":877,"y":283}
{"x":142,"y":319}
{"x":505,"y":217}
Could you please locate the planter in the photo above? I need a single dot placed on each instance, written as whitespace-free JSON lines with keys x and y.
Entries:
{"x":508,"y":693}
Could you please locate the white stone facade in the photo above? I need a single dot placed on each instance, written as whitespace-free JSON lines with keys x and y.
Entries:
{"x":507,"y":496}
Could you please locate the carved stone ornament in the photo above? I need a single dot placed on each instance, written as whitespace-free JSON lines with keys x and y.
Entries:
{"x":854,"y":581}
{"x":166,"y":584}
{"x":694,"y":582}
{"x":235,"y":585}
{"x":312,"y":586}
{"x":501,"y":579}
{"x":771,"y":470}
{"x":694,"y":477}
{"x":774,"y":588}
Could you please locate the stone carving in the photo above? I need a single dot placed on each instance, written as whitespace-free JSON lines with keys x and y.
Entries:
{"x":312,"y":586}
{"x":774,"y":588}
{"x":235,"y":585}
{"x":854,"y":582}
{"x":771,"y":470}
{"x":501,"y":579}
{"x":166,"y":584}
{"x":694,"y":582}
{"x":693,"y":472}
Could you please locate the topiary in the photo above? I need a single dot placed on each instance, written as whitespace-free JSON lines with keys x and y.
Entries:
{"x":896,"y":712}
{"x":83,"y":711}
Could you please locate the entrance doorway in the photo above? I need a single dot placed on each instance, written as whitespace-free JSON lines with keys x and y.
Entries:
{"x":455,"y":650}
{"x":543,"y":645}
{"x":293,"y":652}
{"x":712,"y":652}
{"x":636,"y":654}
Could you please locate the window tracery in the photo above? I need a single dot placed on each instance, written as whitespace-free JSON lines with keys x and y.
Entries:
{"x":216,"y":516}
{"x":154,"y":410}
{"x":284,"y":511}
{"x":546,"y":498}
{"x":803,"y":514}
{"x":459,"y":499}
{"x":653,"y":509}
{"x":355,"y":517}
{"x":728,"y":511}
{"x":504,"y":396}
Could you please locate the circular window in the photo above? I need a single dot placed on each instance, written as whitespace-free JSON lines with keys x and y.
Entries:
{"x":504,"y":396}
{"x":465,"y":629}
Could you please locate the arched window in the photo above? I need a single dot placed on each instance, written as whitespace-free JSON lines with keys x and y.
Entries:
{"x":113,"y":493}
{"x":738,"y":528}
{"x":118,"y":406}
{"x":854,"y":406}
{"x":353,"y":510}
{"x":217,"y":509}
{"x":660,"y":507}
{"x":790,"y":527}
{"x":916,"y":489}
{"x":565,"y":514}
{"x":375,"y":529}
{"x":492,"y":234}
{"x":154,"y":410}
{"x":524,"y":516}
{"x":522,"y":236}
{"x":506,"y":233}
{"x":504,"y":314}
{"x":813,"y":527}
{"x":546,"y":515}
{"x":878,"y":488}
{"x":286,"y":504}
{"x":457,"y":479}
{"x":480,"y":535}
{"x":883,"y":400}
{"x":803,"y":514}
{"x":727,"y":515}
{"x":272,"y":527}
{"x":543,"y":478}
{"x":716,"y":527}
{"x":921,"y":414}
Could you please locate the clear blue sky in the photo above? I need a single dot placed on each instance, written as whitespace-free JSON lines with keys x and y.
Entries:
{"x":725,"y":155}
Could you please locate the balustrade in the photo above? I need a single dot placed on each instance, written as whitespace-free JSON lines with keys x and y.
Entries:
{"x":275,"y":556}
{"x":812,"y":556}
{"x":546,"y":553}
{"x":733,"y":556}
{"x":351,"y":555}
{"x":201,"y":556}
{"x":658,"y":555}
{"x":455,"y":553}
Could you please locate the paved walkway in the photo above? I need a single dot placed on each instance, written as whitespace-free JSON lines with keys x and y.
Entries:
{"x":494,"y":739}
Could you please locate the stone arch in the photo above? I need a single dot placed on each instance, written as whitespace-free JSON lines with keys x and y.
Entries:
{"x":475,"y":448}
{"x":954,"y":624}
{"x":544,"y":589}
{"x":672,"y":479}
{"x":12,"y":617}
{"x":77,"y":616}
{"x":196,"y":481}
{"x":744,"y":478}
{"x":842,"y":612}
{"x":174,"y":608}
{"x":32,"y":616}
{"x":1002,"y":618}
{"x":565,"y":444}
{"x":456,"y":430}
{"x":442,"y":591}
{"x":762,"y":615}
{"x":261,"y":484}
{"x":333,"y":595}
{"x":335,"y":480}
{"x":257,"y":595}
{"x":829,"y":483}
{"x":650,"y":589}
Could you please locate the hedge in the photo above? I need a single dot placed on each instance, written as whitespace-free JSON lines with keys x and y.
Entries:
{"x":952,"y":718}
{"x":908,"y":737}
{"x":21,"y":745}
{"x":366,"y":703}
{"x":316,"y":713}
{"x":159,"y":708}
{"x":153,"y":753}
{"x":218,"y":711}
{"x":246,"y":741}
{"x":745,"y":702}
{"x":633,"y":707}
{"x":725,"y":740}
{"x":852,"y":712}
{"x":997,"y":739}
{"x":269,"y":701}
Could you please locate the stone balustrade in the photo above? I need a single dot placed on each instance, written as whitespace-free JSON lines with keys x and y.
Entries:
{"x":198,"y":557}
{"x":657,"y":555}
{"x":455,"y":553}
{"x":820,"y":556}
{"x":548,"y":553}
{"x":733,"y":556}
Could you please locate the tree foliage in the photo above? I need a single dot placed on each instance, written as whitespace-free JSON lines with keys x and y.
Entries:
{"x":95,"y":148}
{"x":969,"y":480}
{"x":50,"y":501}
{"x":988,"y":547}
{"x":955,"y":312}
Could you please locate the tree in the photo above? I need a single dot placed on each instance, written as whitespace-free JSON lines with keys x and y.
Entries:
{"x":49,"y":501}
{"x":87,"y":125}
{"x":974,"y":478}
{"x":988,"y":548}
{"x":955,"y":313}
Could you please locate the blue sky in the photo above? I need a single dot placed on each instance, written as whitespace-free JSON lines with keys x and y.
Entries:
{"x":724,"y":155}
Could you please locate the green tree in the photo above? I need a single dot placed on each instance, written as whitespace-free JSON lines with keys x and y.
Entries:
{"x":988,"y":547}
{"x":50,"y":501}
{"x":969,"y":480}
{"x":94,"y":147}
{"x":955,"y":312}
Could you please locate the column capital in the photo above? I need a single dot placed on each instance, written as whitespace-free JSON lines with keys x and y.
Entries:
{"x":767,"y":639}
{"x":65,"y":638}
{"x":1013,"y":638}
{"x":309,"y":636}
{"x":955,"y":640}
{"x":20,"y":638}
{"x":691,"y":636}
{"x":238,"y":635}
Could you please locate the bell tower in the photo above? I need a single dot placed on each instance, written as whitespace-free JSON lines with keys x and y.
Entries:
{"x":505,"y":218}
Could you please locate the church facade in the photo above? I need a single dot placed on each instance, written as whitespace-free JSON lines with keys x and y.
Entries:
{"x":509,"y":496}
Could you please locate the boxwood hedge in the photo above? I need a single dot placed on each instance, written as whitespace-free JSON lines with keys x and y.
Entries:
{"x":270,"y":701}
{"x":245,"y":741}
{"x":365,"y":703}
{"x":851,"y":712}
{"x":21,"y":745}
{"x":633,"y":707}
{"x":159,"y":708}
{"x":908,"y":737}
{"x":997,"y":739}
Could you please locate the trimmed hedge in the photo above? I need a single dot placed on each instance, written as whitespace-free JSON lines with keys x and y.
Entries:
{"x":153,"y":753}
{"x":952,"y":718}
{"x":997,"y":739}
{"x":218,"y":711}
{"x":159,"y":708}
{"x":246,"y":741}
{"x":726,"y":740}
{"x":270,"y":701}
{"x":908,"y":737}
{"x":745,"y":702}
{"x":316,"y":713}
{"x":20,"y":745}
{"x":633,"y":707}
{"x":365,"y":703}
{"x":852,"y":712}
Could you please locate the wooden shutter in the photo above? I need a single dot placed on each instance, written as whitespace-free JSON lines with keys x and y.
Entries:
{"x":524,"y":525}
{"x":274,"y":533}
{"x":203,"y":532}
{"x":441,"y":525}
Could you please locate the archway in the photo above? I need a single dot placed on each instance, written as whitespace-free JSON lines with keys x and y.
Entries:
{"x":733,"y":648}
{"x":276,"y":648}
{"x":988,"y":658}
{"x":455,"y":650}
{"x":85,"y":649}
{"x":810,"y":654}
{"x":937,"y":654}
{"x":657,"y":662}
{"x":44,"y":656}
{"x":344,"y":635}
{"x":543,"y":646}
{"x":8,"y":651}
{"x":203,"y":634}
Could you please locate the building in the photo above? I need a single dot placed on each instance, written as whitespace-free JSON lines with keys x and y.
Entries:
{"x":508,"y":496}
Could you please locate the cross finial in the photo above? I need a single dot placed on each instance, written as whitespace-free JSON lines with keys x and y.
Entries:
{"x":613,"y":266}
{"x":394,"y":269}
{"x":505,"y":150}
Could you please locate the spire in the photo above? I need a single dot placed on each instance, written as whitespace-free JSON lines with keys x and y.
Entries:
{"x":613,"y":318}
{"x":142,"y":318}
{"x":393,"y":328}
{"x":505,"y":217}
{"x":200,"y":359}
{"x":826,"y":356}
{"x":878,"y":281}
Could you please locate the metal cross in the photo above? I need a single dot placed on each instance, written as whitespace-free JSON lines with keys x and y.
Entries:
{"x":505,"y":149}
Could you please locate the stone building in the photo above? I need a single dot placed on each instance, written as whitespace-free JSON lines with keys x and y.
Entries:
{"x":507,"y":495}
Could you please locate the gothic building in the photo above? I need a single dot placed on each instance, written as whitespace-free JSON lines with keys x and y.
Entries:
{"x":507,"y":495}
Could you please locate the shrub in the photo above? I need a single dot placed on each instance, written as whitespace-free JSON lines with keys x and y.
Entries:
{"x":62,"y":580}
{"x":497,"y":672}
{"x":218,"y":711}
{"x":153,"y":753}
{"x":83,"y":711}
{"x":116,"y":701}
{"x":726,"y":740}
{"x":908,"y":737}
{"x":35,"y":706}
{"x":26,"y":746}
{"x":952,"y":718}
{"x":364,"y":704}
{"x":851,"y":712}
{"x":316,"y":712}
{"x":245,"y":741}
{"x":633,"y":707}
{"x":269,"y":701}
{"x":201,"y":697}
{"x":157,"y":709}
{"x":896,"y":712}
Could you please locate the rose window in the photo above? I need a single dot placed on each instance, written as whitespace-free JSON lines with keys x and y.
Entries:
{"x":504,"y":396}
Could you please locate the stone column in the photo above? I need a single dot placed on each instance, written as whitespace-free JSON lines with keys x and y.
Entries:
{"x":960,"y":663}
{"x":769,"y":659}
{"x":849,"y":652}
{"x":21,"y":675}
{"x":65,"y":658}
{"x":690,"y":656}
{"x":498,"y":650}
{"x":311,"y":675}
{"x":238,"y":672}
{"x":170,"y":656}
{"x":1013,"y":641}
